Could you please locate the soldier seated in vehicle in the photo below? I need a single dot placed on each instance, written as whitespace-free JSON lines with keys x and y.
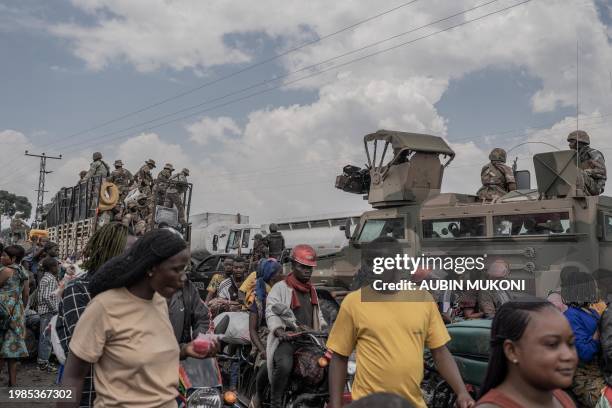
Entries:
{"x":590,"y":161}
{"x":497,"y":178}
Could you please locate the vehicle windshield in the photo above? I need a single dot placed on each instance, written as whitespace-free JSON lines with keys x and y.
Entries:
{"x":245,"y":238}
{"x":532,"y":224}
{"x":391,"y":227}
{"x":450,"y":228}
{"x":233,"y":241}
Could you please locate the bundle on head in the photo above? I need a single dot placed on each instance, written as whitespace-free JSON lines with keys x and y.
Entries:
{"x":152,"y":249}
{"x":509,"y":323}
{"x":106,"y":243}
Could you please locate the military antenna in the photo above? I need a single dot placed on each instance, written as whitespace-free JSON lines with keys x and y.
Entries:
{"x":41,"y":183}
{"x":577,"y":98}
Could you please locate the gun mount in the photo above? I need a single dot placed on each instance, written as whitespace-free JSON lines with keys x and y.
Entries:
{"x":557,"y":174}
{"x":410,"y":172}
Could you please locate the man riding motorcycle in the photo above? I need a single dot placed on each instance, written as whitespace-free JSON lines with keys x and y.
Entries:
{"x":297,"y":293}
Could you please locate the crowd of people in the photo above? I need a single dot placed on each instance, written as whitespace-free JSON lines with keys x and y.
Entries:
{"x":129,"y":311}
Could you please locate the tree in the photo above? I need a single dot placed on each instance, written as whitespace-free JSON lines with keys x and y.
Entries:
{"x":10,"y":204}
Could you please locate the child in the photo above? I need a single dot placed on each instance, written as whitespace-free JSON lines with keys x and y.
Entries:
{"x":47,"y":307}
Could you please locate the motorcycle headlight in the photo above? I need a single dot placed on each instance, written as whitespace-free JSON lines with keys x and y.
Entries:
{"x":351,"y":367}
{"x":204,"y":398}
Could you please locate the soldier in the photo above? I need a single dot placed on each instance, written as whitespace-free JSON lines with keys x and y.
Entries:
{"x":122,"y":178}
{"x":590,"y":161}
{"x":161,"y":184}
{"x":275,"y":242}
{"x":174,"y":194}
{"x":497,"y":178}
{"x":144,"y":179}
{"x":98,"y":167}
{"x":82,"y":175}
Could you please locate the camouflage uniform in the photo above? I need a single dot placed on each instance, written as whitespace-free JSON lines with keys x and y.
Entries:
{"x":98,"y":167}
{"x":122,"y":178}
{"x":592,"y":164}
{"x":161,"y":184}
{"x":174,"y":194}
{"x":144,"y":179}
{"x":497,"y":178}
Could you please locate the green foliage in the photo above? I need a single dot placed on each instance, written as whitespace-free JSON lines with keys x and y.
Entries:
{"x":10,"y":204}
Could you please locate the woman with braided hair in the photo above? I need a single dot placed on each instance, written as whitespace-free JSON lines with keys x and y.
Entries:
{"x":107,"y":242}
{"x":125,"y":331}
{"x":532,"y":357}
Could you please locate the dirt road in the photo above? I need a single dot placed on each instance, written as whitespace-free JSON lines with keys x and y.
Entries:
{"x":28,"y":375}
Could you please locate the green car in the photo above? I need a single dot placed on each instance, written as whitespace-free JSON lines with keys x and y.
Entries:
{"x":469,"y":345}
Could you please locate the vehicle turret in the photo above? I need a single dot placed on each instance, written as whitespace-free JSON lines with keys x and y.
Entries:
{"x":403,"y":168}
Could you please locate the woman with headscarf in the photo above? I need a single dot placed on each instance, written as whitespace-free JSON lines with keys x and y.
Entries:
{"x":579,"y":292}
{"x":125,"y":331}
{"x":269,"y":272}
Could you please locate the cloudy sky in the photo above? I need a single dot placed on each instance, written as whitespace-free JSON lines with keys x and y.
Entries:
{"x":266,"y":102}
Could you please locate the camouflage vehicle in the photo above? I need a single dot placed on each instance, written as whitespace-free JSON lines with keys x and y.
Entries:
{"x":536,"y":231}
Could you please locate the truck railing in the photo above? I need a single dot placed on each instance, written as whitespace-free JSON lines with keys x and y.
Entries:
{"x":76,"y":203}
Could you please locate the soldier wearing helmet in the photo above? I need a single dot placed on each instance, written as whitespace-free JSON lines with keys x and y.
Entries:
{"x":297,"y":294}
{"x":98,"y":167}
{"x":275,"y":242}
{"x":161,"y":184}
{"x":497,"y":178}
{"x":144,"y":179}
{"x":122,"y":178}
{"x":591,"y":162}
{"x":174,"y":194}
{"x":82,"y":175}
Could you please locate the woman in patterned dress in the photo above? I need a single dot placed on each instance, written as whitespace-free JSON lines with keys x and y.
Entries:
{"x":12,"y":284}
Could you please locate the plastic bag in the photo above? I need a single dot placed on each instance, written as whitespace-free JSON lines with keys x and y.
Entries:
{"x":237,"y":331}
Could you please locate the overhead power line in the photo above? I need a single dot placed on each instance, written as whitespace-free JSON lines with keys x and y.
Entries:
{"x":240,"y":71}
{"x":315,"y":74}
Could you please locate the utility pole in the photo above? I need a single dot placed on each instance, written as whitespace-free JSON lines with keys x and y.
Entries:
{"x":40,"y":200}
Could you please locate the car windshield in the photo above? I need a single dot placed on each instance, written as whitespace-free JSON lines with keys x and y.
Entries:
{"x":391,"y":227}
{"x":532,"y":224}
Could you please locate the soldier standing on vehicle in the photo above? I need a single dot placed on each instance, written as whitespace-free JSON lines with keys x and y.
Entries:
{"x":98,"y":167}
{"x":275,"y":242}
{"x":178,"y":186}
{"x":590,"y":161}
{"x":144,"y":179}
{"x":497,"y":178}
{"x":82,"y":175}
{"x":122,"y":178}
{"x":161,"y":184}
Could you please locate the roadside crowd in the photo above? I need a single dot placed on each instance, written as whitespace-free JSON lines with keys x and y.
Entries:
{"x":132,"y":313}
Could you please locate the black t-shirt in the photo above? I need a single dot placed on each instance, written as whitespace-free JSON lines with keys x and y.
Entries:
{"x":303,"y":314}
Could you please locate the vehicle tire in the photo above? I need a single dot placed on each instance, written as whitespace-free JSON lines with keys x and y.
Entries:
{"x":109,"y":196}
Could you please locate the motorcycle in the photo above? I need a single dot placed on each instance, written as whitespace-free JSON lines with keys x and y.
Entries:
{"x":200,"y":385}
{"x":469,"y":345}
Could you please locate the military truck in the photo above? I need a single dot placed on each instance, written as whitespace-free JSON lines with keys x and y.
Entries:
{"x":536,"y":231}
{"x":76,"y":212}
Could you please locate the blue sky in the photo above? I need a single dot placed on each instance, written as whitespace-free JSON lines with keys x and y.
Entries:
{"x":69,"y":66}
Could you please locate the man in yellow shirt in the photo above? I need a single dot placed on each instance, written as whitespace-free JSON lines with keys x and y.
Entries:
{"x":389,"y":331}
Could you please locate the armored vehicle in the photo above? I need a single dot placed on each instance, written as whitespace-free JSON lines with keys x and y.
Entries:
{"x":536,"y":231}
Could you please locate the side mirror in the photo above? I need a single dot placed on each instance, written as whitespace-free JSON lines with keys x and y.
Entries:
{"x":347,"y":228}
